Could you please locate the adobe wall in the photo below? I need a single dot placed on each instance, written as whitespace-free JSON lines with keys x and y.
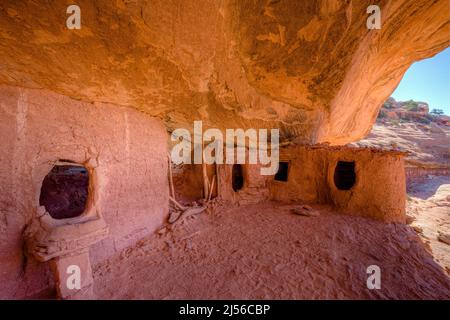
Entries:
{"x":307,"y":176}
{"x":188,"y":181}
{"x":379,"y":190}
{"x":125,"y":149}
{"x":255,"y":189}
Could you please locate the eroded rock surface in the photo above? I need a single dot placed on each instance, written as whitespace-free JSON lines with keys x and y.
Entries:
{"x":311,"y":68}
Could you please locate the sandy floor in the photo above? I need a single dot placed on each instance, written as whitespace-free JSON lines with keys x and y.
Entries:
{"x":265,"y":252}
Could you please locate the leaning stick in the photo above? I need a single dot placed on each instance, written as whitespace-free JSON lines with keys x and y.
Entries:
{"x":177,"y":204}
{"x":211,"y":190}
{"x":189,"y":212}
{"x":217,"y":179}
{"x":205,"y":178}
{"x":172,"y":188}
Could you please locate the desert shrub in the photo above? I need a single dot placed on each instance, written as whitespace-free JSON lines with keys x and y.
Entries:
{"x":431,"y":117}
{"x":437,"y":112}
{"x":424,"y":120}
{"x":382,"y":114}
{"x":411,"y":105}
{"x":404,"y":117}
{"x":388,"y":105}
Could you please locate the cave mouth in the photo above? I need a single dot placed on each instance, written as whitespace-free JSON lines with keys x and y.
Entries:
{"x":344,"y":175}
{"x":283,"y":171}
{"x":64,"y":191}
{"x":237,"y":177}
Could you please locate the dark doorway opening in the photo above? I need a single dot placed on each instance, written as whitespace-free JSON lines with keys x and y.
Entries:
{"x":344,"y":175}
{"x":64,"y":191}
{"x":283,"y":171}
{"x":237,"y":177}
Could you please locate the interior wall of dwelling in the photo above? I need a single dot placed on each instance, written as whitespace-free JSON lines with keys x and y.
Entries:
{"x":125,"y":149}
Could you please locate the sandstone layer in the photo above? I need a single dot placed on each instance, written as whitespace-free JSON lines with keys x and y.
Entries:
{"x":311,"y":68}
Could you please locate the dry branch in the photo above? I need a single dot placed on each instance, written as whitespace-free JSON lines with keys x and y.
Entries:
{"x":177,"y":204}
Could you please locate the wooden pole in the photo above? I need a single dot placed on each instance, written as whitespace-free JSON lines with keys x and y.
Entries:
{"x":211,"y":190}
{"x":172,"y":188}
{"x":205,"y":177}
{"x":217,"y":179}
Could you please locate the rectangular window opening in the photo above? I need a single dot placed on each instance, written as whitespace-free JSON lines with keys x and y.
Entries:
{"x":283,"y":171}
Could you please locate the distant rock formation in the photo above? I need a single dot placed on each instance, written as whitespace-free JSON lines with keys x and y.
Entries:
{"x":409,"y":126}
{"x":411,"y":111}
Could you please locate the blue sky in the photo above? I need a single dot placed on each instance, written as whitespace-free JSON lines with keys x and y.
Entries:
{"x":428,"y":81}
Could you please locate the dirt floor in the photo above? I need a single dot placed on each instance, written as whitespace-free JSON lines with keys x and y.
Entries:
{"x":265,"y":251}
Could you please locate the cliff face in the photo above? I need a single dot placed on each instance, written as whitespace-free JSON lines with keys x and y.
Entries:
{"x":408,"y":126}
{"x":311,"y":68}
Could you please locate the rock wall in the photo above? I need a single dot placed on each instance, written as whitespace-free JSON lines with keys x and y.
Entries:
{"x":417,"y":174}
{"x":310,"y":68}
{"x":125,"y":149}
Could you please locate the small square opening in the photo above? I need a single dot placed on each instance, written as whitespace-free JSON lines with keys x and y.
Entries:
{"x":283,"y":171}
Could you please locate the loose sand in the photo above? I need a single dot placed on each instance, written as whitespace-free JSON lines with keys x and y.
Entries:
{"x":266,"y":252}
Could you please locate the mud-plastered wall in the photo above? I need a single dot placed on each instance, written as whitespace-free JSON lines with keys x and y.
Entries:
{"x":375,"y":179}
{"x":379,"y":190}
{"x":188,"y":181}
{"x":306,"y":176}
{"x":254,"y":187}
{"x":126,"y":151}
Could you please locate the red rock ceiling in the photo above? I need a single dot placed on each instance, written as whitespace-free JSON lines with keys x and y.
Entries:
{"x":311,"y":68}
